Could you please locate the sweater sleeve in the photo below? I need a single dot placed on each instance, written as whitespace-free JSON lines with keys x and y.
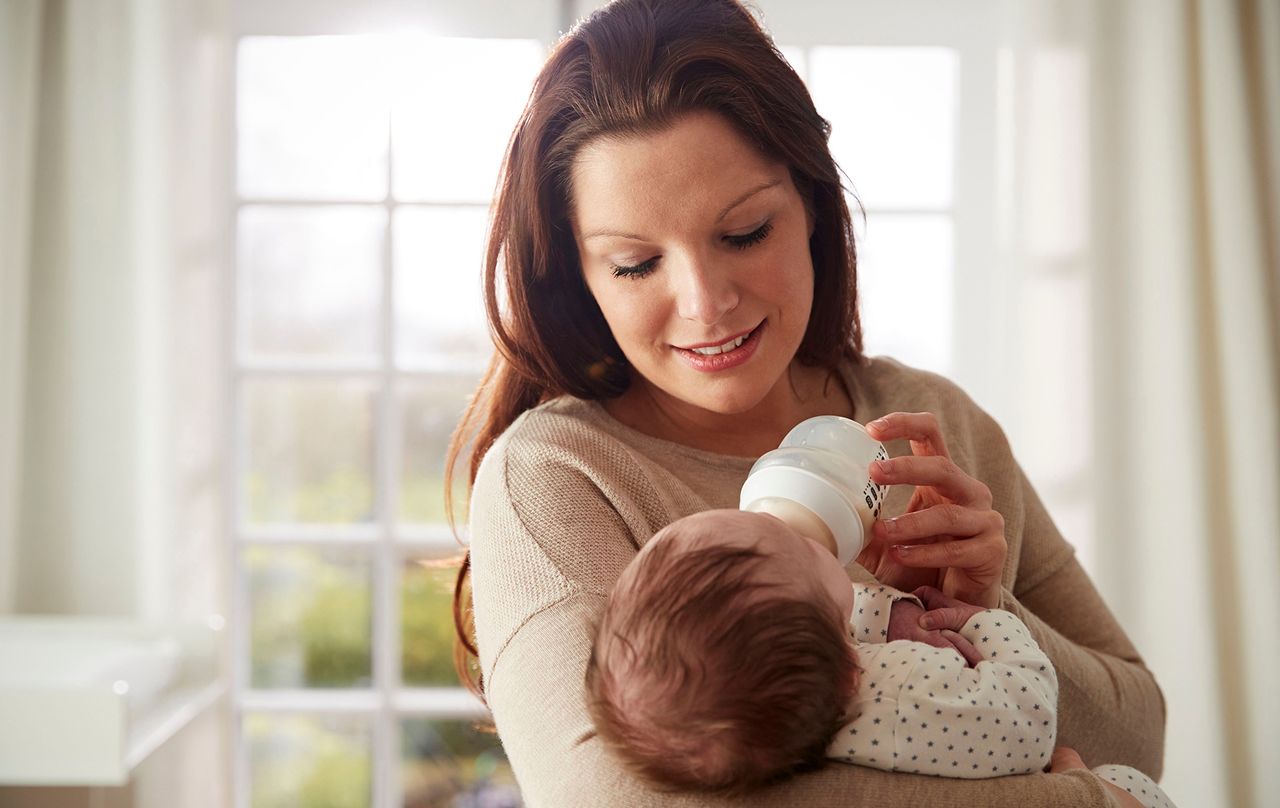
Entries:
{"x":548,"y":538}
{"x":1110,"y":708}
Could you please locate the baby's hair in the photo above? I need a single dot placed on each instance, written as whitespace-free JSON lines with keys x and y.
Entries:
{"x":700,"y":678}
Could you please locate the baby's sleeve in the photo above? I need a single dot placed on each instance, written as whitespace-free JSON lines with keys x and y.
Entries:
{"x":869,"y":622}
{"x":923,"y":710}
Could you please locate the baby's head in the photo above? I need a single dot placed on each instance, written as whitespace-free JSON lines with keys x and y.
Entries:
{"x":723,"y":659}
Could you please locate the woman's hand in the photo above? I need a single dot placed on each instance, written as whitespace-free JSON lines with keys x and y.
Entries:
{"x":1065,"y":759}
{"x":949,"y":537}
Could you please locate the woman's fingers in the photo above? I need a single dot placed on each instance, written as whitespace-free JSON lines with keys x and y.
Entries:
{"x":979,"y":556}
{"x":921,"y":428}
{"x":940,"y":520}
{"x":1065,"y":759}
{"x":940,"y":472}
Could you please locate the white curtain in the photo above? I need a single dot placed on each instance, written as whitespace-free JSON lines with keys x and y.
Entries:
{"x":114,"y":159}
{"x":19,"y":61}
{"x":1162,"y":120}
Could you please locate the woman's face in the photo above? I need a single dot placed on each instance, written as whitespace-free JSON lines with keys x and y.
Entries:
{"x":696,"y":248}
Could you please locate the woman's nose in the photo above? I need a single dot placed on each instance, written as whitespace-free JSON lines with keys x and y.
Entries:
{"x":706,"y":293}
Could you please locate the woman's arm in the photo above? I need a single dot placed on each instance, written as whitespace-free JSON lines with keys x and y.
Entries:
{"x":550,"y":534}
{"x":535,"y":692}
{"x":1110,"y":708}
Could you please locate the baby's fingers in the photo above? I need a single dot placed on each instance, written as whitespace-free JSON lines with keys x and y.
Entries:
{"x":971,"y":655}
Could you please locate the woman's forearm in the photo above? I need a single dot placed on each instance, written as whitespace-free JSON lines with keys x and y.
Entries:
{"x":536,"y":694}
{"x":1109,"y":706}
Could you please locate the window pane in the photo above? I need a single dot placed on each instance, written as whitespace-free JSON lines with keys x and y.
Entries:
{"x":1053,"y":361}
{"x":892,"y":112}
{"x":311,"y":280}
{"x":310,"y":616}
{"x":1053,"y":188}
{"x":448,"y":135}
{"x":426,"y":603}
{"x":904,"y":288}
{"x":310,"y":453}
{"x":448,"y":763}
{"x":429,"y":411}
{"x":312,"y":116}
{"x":439,"y":306}
{"x":308,"y":761}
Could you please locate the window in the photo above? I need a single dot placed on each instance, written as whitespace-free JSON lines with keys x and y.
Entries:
{"x":363,"y":182}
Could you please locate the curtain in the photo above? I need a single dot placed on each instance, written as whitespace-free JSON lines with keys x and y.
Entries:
{"x":19,"y":59}
{"x":1188,"y":372}
{"x":1178,"y":169}
{"x":114,"y":157}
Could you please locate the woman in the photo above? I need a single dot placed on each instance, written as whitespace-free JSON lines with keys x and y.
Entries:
{"x":678,"y":266}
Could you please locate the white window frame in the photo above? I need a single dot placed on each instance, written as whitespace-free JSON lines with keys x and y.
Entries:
{"x":389,"y":547}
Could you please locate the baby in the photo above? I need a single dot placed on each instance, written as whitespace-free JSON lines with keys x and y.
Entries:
{"x":724,"y":661}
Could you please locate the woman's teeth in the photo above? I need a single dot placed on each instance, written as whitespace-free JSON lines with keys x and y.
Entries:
{"x":719,"y":349}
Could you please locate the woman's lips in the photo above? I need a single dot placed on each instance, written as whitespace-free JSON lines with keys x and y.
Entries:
{"x":713,"y":363}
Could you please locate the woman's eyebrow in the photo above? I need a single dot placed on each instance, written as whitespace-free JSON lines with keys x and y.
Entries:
{"x":735,"y":203}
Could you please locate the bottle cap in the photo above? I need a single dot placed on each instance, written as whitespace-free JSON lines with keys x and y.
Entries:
{"x":812,"y":489}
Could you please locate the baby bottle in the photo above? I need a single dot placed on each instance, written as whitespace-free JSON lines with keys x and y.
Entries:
{"x":817,"y":480}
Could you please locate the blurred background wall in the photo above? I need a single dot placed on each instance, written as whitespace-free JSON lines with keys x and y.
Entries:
{"x":239,"y":246}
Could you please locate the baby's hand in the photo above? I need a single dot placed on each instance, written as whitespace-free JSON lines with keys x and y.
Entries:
{"x":904,"y":624}
{"x":944,"y":612}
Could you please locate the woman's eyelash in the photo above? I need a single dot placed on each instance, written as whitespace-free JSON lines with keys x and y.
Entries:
{"x":637,"y":271}
{"x":754,"y":237}
{"x":741,"y":242}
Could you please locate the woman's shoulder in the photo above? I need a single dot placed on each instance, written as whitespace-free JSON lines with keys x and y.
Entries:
{"x":883,"y":385}
{"x":574,"y":432}
{"x":572,"y":450}
{"x":897,"y":386}
{"x":564,"y":433}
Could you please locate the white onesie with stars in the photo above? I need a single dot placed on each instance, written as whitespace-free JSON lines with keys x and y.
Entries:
{"x":922,"y":709}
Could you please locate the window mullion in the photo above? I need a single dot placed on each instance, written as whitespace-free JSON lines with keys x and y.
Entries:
{"x":240,"y":633}
{"x":386,"y":606}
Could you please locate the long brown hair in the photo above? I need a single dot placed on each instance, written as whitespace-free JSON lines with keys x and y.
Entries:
{"x":630,"y":68}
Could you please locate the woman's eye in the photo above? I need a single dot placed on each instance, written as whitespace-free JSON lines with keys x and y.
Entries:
{"x":742,"y":242}
{"x":754,"y":237}
{"x":637,"y":271}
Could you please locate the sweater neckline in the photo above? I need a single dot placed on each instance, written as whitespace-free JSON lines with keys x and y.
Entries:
{"x":636,"y":437}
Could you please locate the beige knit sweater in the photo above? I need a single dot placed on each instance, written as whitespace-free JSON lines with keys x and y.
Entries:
{"x":567,"y":495}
